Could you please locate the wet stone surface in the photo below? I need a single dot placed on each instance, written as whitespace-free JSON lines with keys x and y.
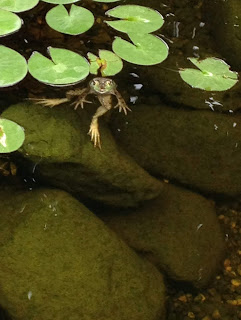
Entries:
{"x":59,"y":261}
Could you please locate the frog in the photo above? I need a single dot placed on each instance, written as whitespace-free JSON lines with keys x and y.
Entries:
{"x":103,"y":88}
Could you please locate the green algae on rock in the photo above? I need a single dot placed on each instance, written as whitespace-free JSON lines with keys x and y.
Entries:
{"x":179,"y":232}
{"x":197,"y":148}
{"x":225,"y":20}
{"x":57,"y":140}
{"x":59,"y":261}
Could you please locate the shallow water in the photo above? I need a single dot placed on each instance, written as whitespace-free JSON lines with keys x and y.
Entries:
{"x":187,"y":34}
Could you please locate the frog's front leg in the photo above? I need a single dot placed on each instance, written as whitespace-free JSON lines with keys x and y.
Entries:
{"x":94,"y":133}
{"x":121,"y":103}
{"x":49,"y":102}
{"x":81,"y":94}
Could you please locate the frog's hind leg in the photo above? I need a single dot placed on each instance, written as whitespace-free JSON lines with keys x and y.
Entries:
{"x":49,"y":102}
{"x":94,"y":126}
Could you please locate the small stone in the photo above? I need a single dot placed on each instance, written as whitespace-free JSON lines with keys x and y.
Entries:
{"x":200,"y":298}
{"x":191,"y":315}
{"x":216,"y":314}
{"x":183,"y":298}
{"x":236,"y":282}
{"x":207,"y":318}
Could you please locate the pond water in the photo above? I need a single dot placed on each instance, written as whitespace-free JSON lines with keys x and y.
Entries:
{"x":167,"y":179}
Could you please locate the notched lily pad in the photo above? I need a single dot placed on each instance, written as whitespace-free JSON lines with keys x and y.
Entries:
{"x":66,"y":67}
{"x":146,"y":49}
{"x":135,"y":19}
{"x":108,"y":63}
{"x":213,"y":75}
{"x":11,"y":136}
{"x":77,"y":21}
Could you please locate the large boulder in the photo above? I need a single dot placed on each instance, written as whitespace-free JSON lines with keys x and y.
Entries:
{"x":198,"y":148}
{"x":59,"y":261}
{"x":179,"y":232}
{"x":63,"y":155}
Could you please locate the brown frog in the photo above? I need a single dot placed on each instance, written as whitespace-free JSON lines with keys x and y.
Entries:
{"x":103,"y":88}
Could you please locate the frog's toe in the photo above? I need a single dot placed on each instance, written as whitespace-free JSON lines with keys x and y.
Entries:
{"x":95,"y":136}
{"x":49,"y":102}
{"x":80,"y":102}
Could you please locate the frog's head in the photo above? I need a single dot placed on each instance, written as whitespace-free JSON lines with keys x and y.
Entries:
{"x":102,"y":85}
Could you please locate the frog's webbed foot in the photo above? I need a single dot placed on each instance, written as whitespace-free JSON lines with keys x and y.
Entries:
{"x":94,"y":127}
{"x":81,"y":95}
{"x":121,"y":103}
{"x":49,"y":102}
{"x":94,"y":133}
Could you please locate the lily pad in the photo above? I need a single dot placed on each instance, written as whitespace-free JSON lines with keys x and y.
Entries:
{"x":108,"y":63}
{"x":147,"y":49}
{"x":13,"y":67}
{"x":9,"y":23}
{"x":11,"y":136}
{"x":95,"y":63}
{"x":66,"y":67}
{"x":60,"y":1}
{"x":135,"y":19}
{"x":107,"y":1}
{"x":18,"y":5}
{"x":213,"y":75}
{"x":77,"y":21}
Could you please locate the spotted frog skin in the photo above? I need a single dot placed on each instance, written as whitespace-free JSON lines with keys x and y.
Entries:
{"x":103,"y":89}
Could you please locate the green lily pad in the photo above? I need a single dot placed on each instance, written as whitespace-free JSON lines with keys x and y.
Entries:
{"x":9,"y":23}
{"x":11,"y":136}
{"x":95,"y":63}
{"x":213,"y":75}
{"x":107,"y":1}
{"x":60,"y":1}
{"x":77,"y":21}
{"x":135,"y":19}
{"x":108,"y":63}
{"x":18,"y":5}
{"x":147,"y":49}
{"x":66,"y":67}
{"x":13,"y":67}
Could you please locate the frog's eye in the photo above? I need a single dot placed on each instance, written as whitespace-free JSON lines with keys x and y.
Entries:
{"x":108,"y":82}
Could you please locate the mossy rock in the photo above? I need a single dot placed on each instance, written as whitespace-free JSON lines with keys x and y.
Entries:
{"x":179,"y":232}
{"x":59,"y":261}
{"x":58,"y":146}
{"x":225,"y":21}
{"x":200,"y":149}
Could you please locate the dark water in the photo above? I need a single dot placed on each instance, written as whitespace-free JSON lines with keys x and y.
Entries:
{"x":185,"y":31}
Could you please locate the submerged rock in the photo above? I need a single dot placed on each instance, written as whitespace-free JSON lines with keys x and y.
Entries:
{"x":59,"y":261}
{"x":179,"y":232}
{"x":165,"y":79}
{"x":201,"y":149}
{"x":57,"y":141}
{"x":225,"y":20}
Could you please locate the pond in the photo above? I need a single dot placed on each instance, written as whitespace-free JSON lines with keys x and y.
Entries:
{"x":124,"y":200}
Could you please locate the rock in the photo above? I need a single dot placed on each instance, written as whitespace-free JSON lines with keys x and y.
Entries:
{"x":165,"y":79}
{"x":179,"y":232}
{"x":225,"y":20}
{"x":59,"y":261}
{"x":201,"y":149}
{"x":57,"y":142}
